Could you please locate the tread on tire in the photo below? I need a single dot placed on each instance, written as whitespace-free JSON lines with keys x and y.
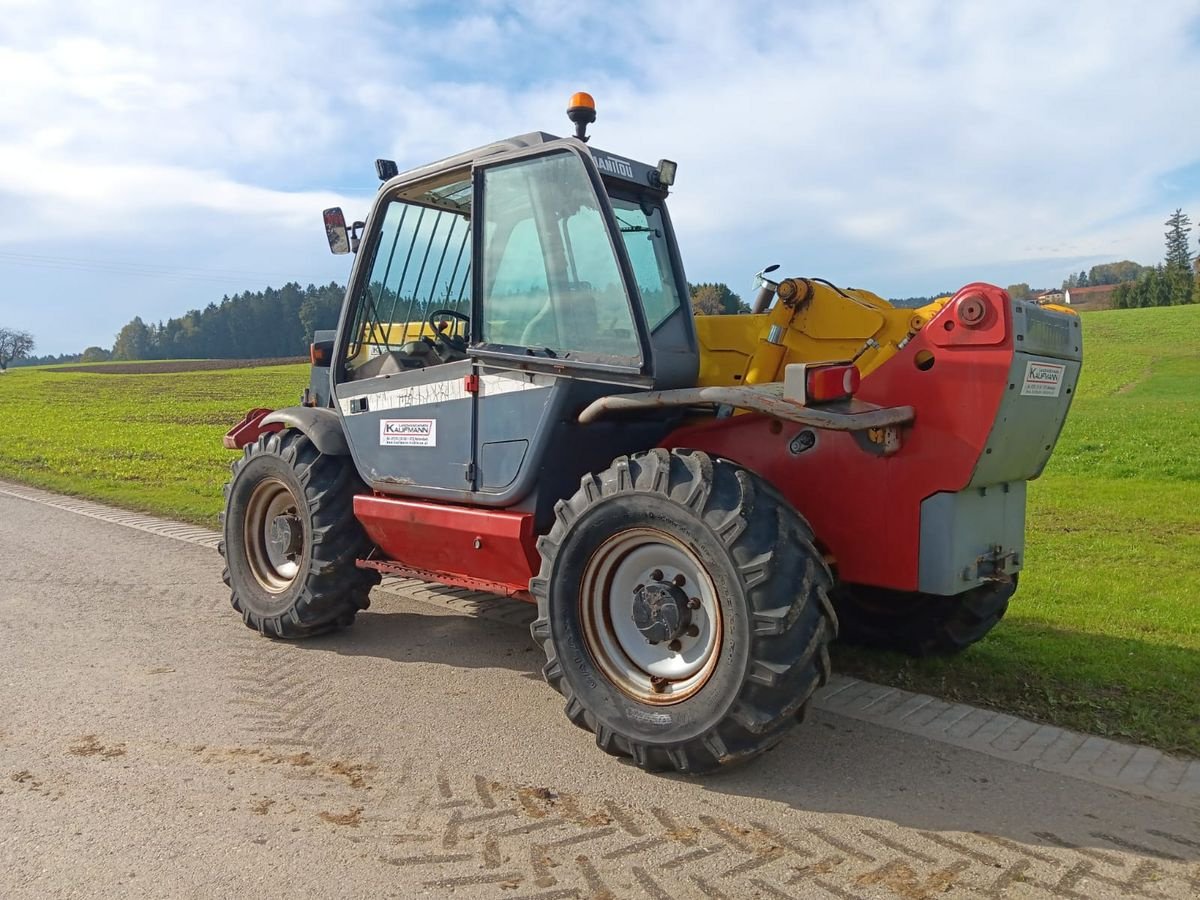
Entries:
{"x":329,"y":589}
{"x":774,"y":591}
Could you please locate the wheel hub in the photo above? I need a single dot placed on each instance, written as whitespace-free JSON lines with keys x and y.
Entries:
{"x":660,"y":611}
{"x":286,"y":535}
{"x":650,"y":615}
{"x":273,"y":531}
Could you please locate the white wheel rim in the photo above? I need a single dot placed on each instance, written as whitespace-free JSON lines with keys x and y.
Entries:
{"x":659,"y":673}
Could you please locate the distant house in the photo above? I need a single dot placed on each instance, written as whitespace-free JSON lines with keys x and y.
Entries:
{"x":1055,"y":296}
{"x":1098,"y":297}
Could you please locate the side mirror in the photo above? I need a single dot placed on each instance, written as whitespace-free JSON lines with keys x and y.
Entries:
{"x":335,"y":231}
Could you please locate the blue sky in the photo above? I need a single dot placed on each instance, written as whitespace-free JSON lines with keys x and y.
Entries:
{"x":155,"y":156}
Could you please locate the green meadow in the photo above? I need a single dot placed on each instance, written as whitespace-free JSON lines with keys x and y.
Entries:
{"x":1103,"y":635}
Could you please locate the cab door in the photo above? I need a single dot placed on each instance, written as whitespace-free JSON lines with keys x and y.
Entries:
{"x":403,"y":390}
{"x":556,"y":324}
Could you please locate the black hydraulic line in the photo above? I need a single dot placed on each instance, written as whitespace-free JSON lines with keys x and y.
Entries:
{"x":462,"y":290}
{"x":421,"y":273}
{"x":442,"y":261}
{"x":834,"y":286}
{"x":404,"y":272}
{"x":457,"y":263}
{"x":387,"y":271}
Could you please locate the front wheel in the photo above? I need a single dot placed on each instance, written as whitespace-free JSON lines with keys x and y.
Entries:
{"x":684,"y":611}
{"x":291,"y":539}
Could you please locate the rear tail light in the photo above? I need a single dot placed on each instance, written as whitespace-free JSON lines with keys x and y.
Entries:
{"x":804,"y":384}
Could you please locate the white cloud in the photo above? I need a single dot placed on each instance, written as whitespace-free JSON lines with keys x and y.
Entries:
{"x":869,"y":141}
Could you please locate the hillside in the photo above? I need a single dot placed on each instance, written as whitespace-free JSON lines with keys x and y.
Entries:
{"x":1102,"y":636}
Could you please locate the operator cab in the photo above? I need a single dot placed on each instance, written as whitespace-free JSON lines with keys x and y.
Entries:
{"x":495,"y":294}
{"x":577,"y":263}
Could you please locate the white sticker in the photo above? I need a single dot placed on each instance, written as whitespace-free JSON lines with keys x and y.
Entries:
{"x":1043,"y":379}
{"x":408,"y":433}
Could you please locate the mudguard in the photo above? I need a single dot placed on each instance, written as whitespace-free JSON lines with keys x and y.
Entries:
{"x":322,"y":426}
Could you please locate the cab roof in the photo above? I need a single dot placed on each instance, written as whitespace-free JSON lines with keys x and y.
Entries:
{"x":611,"y":166}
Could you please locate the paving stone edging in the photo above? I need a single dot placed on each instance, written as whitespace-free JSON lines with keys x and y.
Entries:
{"x":1134,"y":769}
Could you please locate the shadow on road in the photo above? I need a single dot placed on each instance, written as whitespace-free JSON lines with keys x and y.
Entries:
{"x":829,"y":764}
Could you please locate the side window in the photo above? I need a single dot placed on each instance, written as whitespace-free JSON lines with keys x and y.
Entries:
{"x":646,"y":244}
{"x":421,"y":263}
{"x":549,"y":273}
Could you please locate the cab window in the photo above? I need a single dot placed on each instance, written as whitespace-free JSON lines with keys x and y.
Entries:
{"x":644,"y":235}
{"x":420,"y":263}
{"x":549,"y":274}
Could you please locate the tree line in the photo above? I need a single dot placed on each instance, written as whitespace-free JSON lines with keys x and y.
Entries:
{"x":1173,"y":282}
{"x":279,"y":322}
{"x":273,"y":322}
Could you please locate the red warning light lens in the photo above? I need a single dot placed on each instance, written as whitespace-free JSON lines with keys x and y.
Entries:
{"x":831,"y":383}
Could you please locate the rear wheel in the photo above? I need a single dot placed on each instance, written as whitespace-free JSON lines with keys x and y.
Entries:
{"x":291,"y":539}
{"x":920,"y":624}
{"x":683,"y":610}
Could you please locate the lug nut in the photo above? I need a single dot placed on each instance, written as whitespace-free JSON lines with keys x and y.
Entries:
{"x":693,"y":631}
{"x":674,"y":646}
{"x":656,"y":575}
{"x":694,"y":603}
{"x":658,"y":683}
{"x":679,"y":580}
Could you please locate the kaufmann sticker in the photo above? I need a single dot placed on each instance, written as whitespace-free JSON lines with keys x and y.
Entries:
{"x":408,"y":433}
{"x":1043,"y":379}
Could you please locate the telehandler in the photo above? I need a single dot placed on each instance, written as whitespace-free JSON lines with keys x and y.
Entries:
{"x":519,"y":399}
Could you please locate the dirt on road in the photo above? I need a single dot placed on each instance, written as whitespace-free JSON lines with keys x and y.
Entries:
{"x":152,"y":746}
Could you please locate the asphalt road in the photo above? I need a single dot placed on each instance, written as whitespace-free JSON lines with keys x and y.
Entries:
{"x":152,"y":746}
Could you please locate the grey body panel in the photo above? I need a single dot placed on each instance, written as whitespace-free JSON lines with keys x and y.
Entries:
{"x":1028,"y":424}
{"x":963,"y":534}
{"x":508,"y":436}
{"x":322,"y":426}
{"x":1026,"y":427}
{"x":431,"y":460}
{"x":958,"y":530}
{"x":515,"y":409}
{"x":318,"y":376}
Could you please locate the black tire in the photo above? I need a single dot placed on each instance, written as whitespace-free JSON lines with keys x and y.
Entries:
{"x":770,"y":584}
{"x":317,"y":587}
{"x":920,"y":624}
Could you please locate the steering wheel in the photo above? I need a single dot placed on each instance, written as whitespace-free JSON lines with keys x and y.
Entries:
{"x":452,"y":341}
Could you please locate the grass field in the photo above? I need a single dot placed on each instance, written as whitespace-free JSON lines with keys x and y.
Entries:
{"x":1103,"y":636}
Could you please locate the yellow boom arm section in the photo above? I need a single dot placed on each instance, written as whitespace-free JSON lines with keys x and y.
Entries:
{"x":811,"y":321}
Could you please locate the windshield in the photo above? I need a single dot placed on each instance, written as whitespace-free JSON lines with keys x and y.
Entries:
{"x":421,"y":262}
{"x":644,"y":233}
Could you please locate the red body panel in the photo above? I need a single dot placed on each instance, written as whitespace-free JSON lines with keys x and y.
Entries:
{"x":865,"y":508}
{"x":249,"y":429}
{"x":477,"y":548}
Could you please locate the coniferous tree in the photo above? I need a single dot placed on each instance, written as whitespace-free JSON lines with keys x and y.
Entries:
{"x":1178,"y":263}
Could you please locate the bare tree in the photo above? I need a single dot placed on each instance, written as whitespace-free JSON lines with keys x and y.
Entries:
{"x":14,"y":345}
